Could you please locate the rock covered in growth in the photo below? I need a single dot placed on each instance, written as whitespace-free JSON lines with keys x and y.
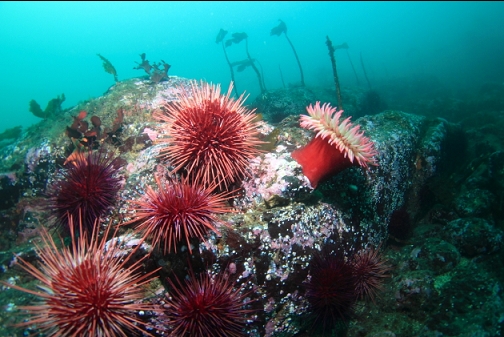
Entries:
{"x":280,"y":222}
{"x":276,"y":244}
{"x":437,"y":255}
{"x":410,"y":149}
{"x":474,"y":236}
{"x":474,"y":202}
{"x":276,"y":105}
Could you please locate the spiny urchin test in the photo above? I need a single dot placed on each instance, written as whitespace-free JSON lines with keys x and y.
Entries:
{"x":210,"y":137}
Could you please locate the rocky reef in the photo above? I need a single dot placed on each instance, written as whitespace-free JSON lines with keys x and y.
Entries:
{"x":432,"y":206}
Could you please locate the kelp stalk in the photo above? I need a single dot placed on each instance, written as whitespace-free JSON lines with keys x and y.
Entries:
{"x":335,"y":73}
{"x":261,"y":83}
{"x":365,"y":73}
{"x":297,"y":59}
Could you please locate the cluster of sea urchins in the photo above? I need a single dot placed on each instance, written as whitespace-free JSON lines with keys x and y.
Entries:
{"x":210,"y":141}
{"x":87,"y":289}
{"x":211,"y":138}
{"x":336,"y":284}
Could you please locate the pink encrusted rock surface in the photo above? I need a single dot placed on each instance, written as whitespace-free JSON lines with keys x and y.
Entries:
{"x":268,"y":174}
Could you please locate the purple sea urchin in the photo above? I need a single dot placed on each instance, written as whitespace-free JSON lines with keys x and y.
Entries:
{"x":330,"y":291}
{"x":86,"y":189}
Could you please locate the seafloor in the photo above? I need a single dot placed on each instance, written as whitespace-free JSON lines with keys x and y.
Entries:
{"x":433,"y":206}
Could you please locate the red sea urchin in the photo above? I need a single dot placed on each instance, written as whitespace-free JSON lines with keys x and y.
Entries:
{"x":176,"y":211}
{"x":369,"y":269}
{"x":211,"y":137}
{"x":86,"y":289}
{"x":88,"y":187}
{"x":206,"y":307}
{"x":335,"y":146}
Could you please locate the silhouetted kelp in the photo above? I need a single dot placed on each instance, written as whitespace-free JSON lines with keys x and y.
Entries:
{"x":282,"y":28}
{"x":335,"y":72}
{"x":242,"y":65}
{"x":220,"y":39}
